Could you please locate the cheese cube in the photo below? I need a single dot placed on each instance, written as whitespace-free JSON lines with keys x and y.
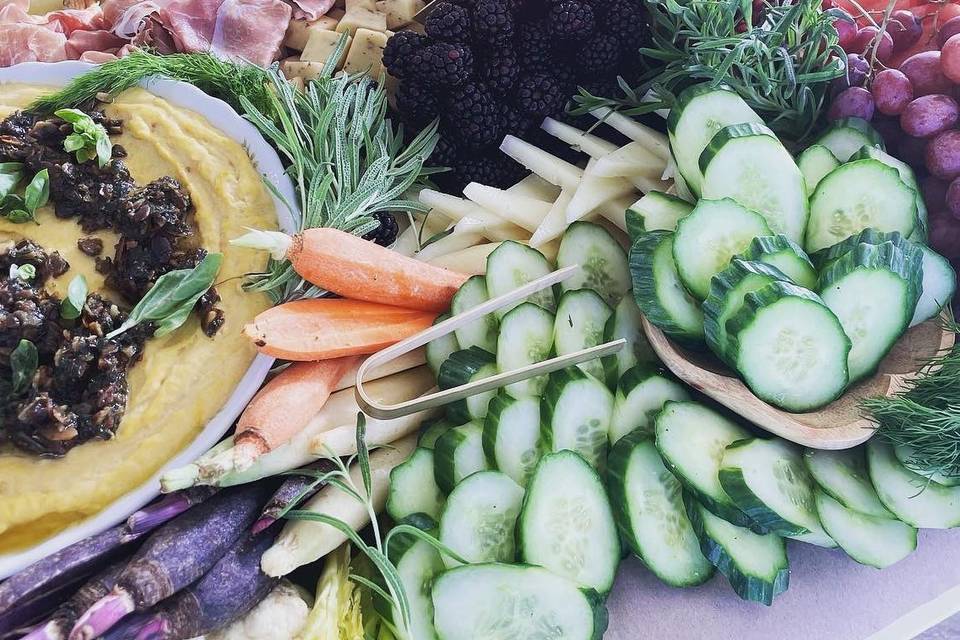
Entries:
{"x":321,"y":45}
{"x":298,"y":31}
{"x":366,"y":53}
{"x":352,"y":5}
{"x":361,"y":18}
{"x":399,"y":12}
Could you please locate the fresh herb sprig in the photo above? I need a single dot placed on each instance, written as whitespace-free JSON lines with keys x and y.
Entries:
{"x":782,"y":66}
{"x":23,"y":365}
{"x":20,"y":209}
{"x":72,"y":305}
{"x":89,"y":139}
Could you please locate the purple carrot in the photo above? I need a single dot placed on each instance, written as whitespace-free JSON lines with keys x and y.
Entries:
{"x":295,"y":489}
{"x":59,"y":624}
{"x":174,"y":556}
{"x":20,"y":617}
{"x":168,"y":507}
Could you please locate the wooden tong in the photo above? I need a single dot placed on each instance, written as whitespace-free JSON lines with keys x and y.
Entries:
{"x":388,"y":411}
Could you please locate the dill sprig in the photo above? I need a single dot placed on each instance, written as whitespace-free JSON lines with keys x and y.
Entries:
{"x":782,"y":66}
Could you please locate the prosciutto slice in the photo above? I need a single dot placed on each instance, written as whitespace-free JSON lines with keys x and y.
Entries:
{"x":311,"y":9}
{"x":101,"y":40}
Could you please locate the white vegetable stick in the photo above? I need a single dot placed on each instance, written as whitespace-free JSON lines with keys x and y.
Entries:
{"x":536,"y":187}
{"x":456,"y":241}
{"x":458,"y":209}
{"x":616,"y":211}
{"x":593,"y":146}
{"x":410,"y":238}
{"x":521,"y":210}
{"x":544,"y":164}
{"x":594,"y":191}
{"x":399,"y":364}
{"x":650,"y":138}
{"x":647,"y":185}
{"x":303,"y":541}
{"x":342,"y":441}
{"x":632,"y":159}
{"x":493,"y":231}
{"x":555,"y":222}
{"x":471,"y":261}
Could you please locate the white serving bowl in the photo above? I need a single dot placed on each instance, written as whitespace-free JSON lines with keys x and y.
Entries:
{"x":268,"y":163}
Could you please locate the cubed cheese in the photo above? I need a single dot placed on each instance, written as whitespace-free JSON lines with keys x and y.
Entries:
{"x":366,"y":53}
{"x":40,"y":7}
{"x":301,"y":69}
{"x":399,"y":12}
{"x":321,"y":44}
{"x":361,"y":18}
{"x":298,"y":31}
{"x":369,"y":5}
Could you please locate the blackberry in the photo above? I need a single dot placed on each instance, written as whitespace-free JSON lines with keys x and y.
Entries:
{"x":514,"y":122}
{"x":471,"y":116}
{"x":499,"y":69}
{"x":492,"y":22}
{"x":625,"y":20}
{"x":444,"y":154}
{"x":603,"y":87}
{"x":534,"y":48}
{"x":493,"y":169}
{"x":540,"y":94}
{"x":571,"y":20}
{"x":417,"y":103}
{"x":449,"y":22}
{"x":446,"y":64}
{"x":600,"y":55}
{"x":402,"y":52}
{"x":386,"y":232}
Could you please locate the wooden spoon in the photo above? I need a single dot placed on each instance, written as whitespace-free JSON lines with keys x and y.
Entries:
{"x":840,"y":424}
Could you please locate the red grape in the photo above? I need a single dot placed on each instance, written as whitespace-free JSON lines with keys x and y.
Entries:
{"x":905,"y":29}
{"x":925,"y":73}
{"x":950,"y":58}
{"x":891,"y":91}
{"x":853,"y":102}
{"x":912,"y":150}
{"x":854,"y":75}
{"x":943,"y":155}
{"x":948,"y":29}
{"x":934,"y":192}
{"x":846,"y":32}
{"x":929,"y":115}
{"x":945,"y":236}
{"x":953,"y":198}
{"x":863,"y":43}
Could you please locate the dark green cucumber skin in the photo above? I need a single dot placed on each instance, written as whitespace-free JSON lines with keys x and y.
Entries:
{"x":748,"y":587}
{"x":687,"y":95}
{"x":825,"y":257}
{"x":492,"y":424}
{"x":430,"y":432}
{"x":617,"y":464}
{"x":611,"y":364}
{"x":644,"y":288}
{"x":458,"y":370}
{"x":546,"y":298}
{"x":399,"y":545}
{"x":860,"y":125}
{"x":634,"y":225}
{"x":732,"y":132}
{"x":443,"y":458}
{"x":904,"y":260}
{"x":768,"y":245}
{"x":491,"y":319}
{"x":551,"y":396}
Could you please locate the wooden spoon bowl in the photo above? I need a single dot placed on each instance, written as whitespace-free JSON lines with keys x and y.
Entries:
{"x":838,"y":425}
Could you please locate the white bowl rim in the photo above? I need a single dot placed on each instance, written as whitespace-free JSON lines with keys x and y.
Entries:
{"x":265,"y":159}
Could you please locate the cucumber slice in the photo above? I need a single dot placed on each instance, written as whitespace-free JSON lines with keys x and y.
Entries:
{"x":658,"y":291}
{"x":625,"y":323}
{"x":789,"y":347}
{"x":458,"y":454}
{"x":815,"y":162}
{"x":873,"y":291}
{"x":939,"y":285}
{"x":756,"y":565}
{"x":706,"y":240}
{"x":871,"y":540}
{"x":526,"y":337}
{"x":430,"y":432}
{"x":843,"y":476}
{"x":655,"y":211}
{"x":413,"y":488}
{"x":641,"y":394}
{"x":907,"y":458}
{"x":747,"y":163}
{"x":768,"y":481}
{"x":482,"y":332}
{"x":575,"y":414}
{"x":603,"y":262}
{"x":648,"y":505}
{"x":727,"y":291}
{"x":480,"y":517}
{"x":699,"y":113}
{"x":786,"y":255}
{"x":511,"y":436}
{"x":847,"y":136}
{"x":513,"y":264}
{"x":581,"y":318}
{"x":492,"y":601}
{"x":692,"y":439}
{"x":437,"y":351}
{"x":907,"y":175}
{"x":462,"y":367}
{"x":859,"y":195}
{"x":909,"y":496}
{"x":418,"y":563}
{"x":567,"y":525}
{"x":825,"y":257}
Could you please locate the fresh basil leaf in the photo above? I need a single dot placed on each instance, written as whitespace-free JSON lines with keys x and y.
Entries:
{"x":25,"y":272}
{"x":73,"y":116}
{"x":23,"y":363}
{"x":11,"y":173}
{"x":10,"y":202}
{"x":38,"y":191}
{"x":104,"y":150}
{"x":72,"y":305}
{"x":89,"y":139}
{"x":19,"y":216}
{"x":170,"y":300}
{"x":73,"y":142}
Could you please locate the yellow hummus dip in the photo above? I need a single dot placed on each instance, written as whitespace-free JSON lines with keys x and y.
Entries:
{"x":184,"y":377}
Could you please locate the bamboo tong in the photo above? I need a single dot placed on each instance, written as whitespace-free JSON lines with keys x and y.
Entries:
{"x":380,"y":411}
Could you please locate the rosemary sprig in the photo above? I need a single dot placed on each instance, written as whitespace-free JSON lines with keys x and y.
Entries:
{"x":781,"y":67}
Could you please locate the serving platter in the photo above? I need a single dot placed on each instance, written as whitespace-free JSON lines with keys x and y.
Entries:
{"x":268,"y":164}
{"x":840,"y":424}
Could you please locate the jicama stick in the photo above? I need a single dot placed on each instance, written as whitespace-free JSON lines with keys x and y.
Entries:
{"x":296,"y":488}
{"x":555,"y":222}
{"x":544,"y":164}
{"x":593,"y":192}
{"x":492,"y":229}
{"x":359,"y":269}
{"x":63,"y":619}
{"x":535,"y":186}
{"x":594,"y":146}
{"x":324,"y":328}
{"x":302,"y":541}
{"x":456,"y":241}
{"x":410,"y":239}
{"x":650,"y":138}
{"x":165,"y":509}
{"x":632,"y":159}
{"x":524,"y":211}
{"x":459,"y":209}
{"x":472,"y":260}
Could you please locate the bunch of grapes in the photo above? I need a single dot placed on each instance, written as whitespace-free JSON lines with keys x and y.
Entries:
{"x":913,"y":103}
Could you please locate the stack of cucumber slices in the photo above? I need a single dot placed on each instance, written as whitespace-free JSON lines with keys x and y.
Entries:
{"x":799,"y":274}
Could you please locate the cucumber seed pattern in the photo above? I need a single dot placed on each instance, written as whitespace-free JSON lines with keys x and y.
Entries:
{"x":592,"y":441}
{"x":794,"y":482}
{"x":597,"y":272}
{"x":519,"y":616}
{"x":570,"y":521}
{"x":795,"y":354}
{"x":665,"y":504}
